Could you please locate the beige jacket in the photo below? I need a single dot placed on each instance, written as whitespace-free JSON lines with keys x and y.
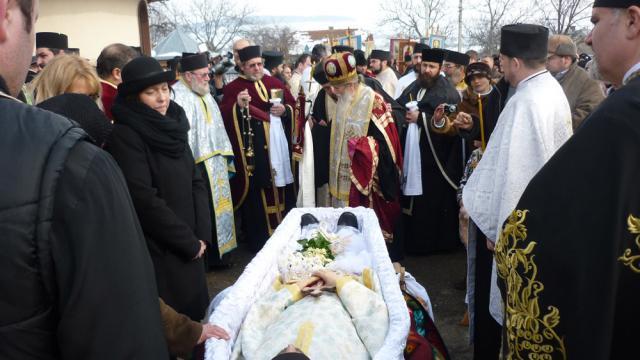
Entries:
{"x":583,"y":93}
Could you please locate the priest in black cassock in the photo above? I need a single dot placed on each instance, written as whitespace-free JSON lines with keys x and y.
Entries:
{"x":429,"y":185}
{"x":323,"y":113}
{"x":48,"y":46}
{"x":258,"y":117}
{"x":568,"y":259}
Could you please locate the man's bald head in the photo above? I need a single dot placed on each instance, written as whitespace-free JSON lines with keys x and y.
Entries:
{"x":241,"y":44}
{"x":237,"y":45}
{"x":111,"y":61}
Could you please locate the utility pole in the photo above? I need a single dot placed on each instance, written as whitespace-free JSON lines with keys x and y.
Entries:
{"x":460,"y":26}
{"x":427,"y":19}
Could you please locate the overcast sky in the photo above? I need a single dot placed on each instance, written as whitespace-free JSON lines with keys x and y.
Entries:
{"x":360,"y":14}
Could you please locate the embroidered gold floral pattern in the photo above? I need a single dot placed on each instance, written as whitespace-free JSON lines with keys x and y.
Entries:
{"x":530,"y":332}
{"x":632,"y":261}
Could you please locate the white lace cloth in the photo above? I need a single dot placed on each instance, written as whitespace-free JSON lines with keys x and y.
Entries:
{"x":262,"y":270}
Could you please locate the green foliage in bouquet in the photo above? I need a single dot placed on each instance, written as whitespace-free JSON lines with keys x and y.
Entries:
{"x":318,"y":242}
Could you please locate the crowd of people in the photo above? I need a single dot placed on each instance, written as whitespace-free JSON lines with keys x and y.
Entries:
{"x":124,"y":182}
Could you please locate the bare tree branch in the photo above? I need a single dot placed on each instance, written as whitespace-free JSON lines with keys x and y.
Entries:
{"x":274,"y":37}
{"x":485,"y":30}
{"x":161,"y":22}
{"x":416,"y":18}
{"x":563,"y":16}
{"x":212,"y":22}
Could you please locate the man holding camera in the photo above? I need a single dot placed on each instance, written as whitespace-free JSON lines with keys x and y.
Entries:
{"x":433,"y":162}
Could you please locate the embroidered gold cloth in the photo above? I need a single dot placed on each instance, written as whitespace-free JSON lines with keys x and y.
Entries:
{"x":530,"y":331}
{"x":350,"y":121}
{"x":628,"y":258}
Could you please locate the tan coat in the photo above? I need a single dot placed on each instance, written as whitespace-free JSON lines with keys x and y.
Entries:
{"x":181,"y":333}
{"x":583,"y":93}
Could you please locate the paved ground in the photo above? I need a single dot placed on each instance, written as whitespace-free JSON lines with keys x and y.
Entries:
{"x":437,"y":273}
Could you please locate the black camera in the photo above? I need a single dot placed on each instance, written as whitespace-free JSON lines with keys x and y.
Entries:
{"x":450,"y":108}
{"x":223,"y":65}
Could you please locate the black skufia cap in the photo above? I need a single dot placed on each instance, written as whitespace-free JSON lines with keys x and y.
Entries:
{"x":190,"y":62}
{"x":52,"y":40}
{"x":417,"y":48}
{"x":525,"y":41}
{"x":361,"y":59}
{"x":458,"y":58}
{"x":319,"y":75}
{"x":433,"y":55}
{"x":173,"y":63}
{"x":249,"y":52}
{"x":272,"y":59}
{"x":616,"y":3}
{"x":341,"y":48}
{"x":380,"y":55}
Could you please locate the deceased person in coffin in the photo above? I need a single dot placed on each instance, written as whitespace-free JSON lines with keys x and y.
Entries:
{"x":325,"y":304}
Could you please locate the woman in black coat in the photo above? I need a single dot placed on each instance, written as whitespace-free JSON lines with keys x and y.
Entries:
{"x":149,"y":142}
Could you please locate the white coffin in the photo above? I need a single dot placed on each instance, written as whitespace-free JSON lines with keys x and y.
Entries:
{"x":260,"y":273}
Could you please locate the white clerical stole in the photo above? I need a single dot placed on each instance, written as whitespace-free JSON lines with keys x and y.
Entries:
{"x":279,"y":153}
{"x":412,"y":166}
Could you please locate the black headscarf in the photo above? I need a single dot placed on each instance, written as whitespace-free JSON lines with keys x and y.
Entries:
{"x":166,"y":134}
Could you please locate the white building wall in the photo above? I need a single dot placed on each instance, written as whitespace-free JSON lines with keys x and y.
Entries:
{"x":91,"y":24}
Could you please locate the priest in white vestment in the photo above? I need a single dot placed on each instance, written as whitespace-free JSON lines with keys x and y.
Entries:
{"x":379,"y":64}
{"x":210,"y":145}
{"x":309,"y":85}
{"x":535,"y":122}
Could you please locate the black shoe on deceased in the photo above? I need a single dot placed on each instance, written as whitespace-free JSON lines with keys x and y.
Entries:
{"x":308,"y":219}
{"x":348,"y":219}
